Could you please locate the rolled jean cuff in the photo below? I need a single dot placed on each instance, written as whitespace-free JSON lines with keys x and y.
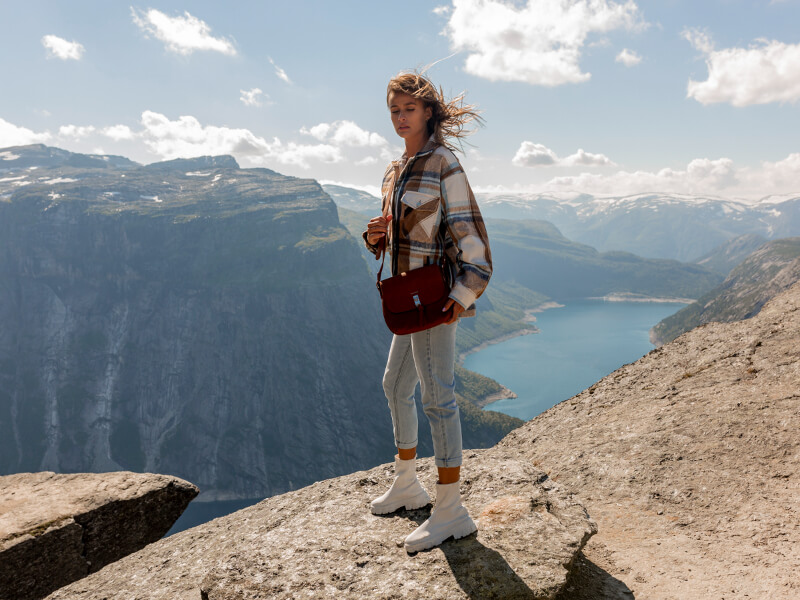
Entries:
{"x":448,"y":462}
{"x":405,"y":445}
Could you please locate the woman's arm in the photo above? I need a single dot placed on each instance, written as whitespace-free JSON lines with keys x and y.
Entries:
{"x":466,"y":228}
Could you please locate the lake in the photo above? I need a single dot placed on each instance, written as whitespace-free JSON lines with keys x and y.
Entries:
{"x":578,"y":344}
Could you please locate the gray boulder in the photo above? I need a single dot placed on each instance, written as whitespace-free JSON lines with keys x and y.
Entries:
{"x":55,"y":529}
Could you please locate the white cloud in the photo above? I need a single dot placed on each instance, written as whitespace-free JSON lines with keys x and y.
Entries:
{"x":280,"y":72}
{"x":346,"y":133}
{"x":767,"y":71}
{"x":251,"y":97}
{"x":119,"y":132}
{"x":60,"y":48}
{"x":182,"y":35}
{"x":538,"y":42}
{"x":701,"y":176}
{"x":12,"y":135}
{"x":75,"y":131}
{"x":319,"y":131}
{"x":534,"y":155}
{"x":629,"y":58}
{"x":531,"y":154}
{"x":187,"y":137}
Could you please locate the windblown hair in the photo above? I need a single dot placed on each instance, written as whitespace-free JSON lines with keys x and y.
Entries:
{"x":449,"y":117}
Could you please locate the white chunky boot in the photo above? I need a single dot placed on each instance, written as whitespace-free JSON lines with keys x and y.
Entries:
{"x":406,"y":491}
{"x":449,"y":518}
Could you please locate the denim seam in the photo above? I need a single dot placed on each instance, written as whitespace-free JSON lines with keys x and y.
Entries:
{"x":403,"y":362}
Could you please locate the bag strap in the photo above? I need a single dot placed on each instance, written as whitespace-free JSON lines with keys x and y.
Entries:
{"x":382,"y":258}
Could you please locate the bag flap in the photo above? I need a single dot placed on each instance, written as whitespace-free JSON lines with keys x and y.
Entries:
{"x":425,"y":283}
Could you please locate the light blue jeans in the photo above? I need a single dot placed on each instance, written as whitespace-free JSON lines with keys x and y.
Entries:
{"x":428,"y":357}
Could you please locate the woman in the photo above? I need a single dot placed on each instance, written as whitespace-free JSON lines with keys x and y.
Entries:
{"x":429,"y":214}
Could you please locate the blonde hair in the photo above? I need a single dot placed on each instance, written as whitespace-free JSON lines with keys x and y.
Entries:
{"x":448,"y":117}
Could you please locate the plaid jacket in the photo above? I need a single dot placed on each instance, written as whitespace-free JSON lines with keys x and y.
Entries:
{"x":435,"y":215}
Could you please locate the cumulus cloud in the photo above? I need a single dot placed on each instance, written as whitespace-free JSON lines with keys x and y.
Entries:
{"x":280,"y":72}
{"x":701,"y":176}
{"x":13,"y":135}
{"x":183,"y":34}
{"x":765,"y":72}
{"x":251,"y":97}
{"x":345,"y":133}
{"x":60,"y":48}
{"x":118,"y":132}
{"x":187,"y":137}
{"x":75,"y":131}
{"x":538,"y":41}
{"x":531,"y":154}
{"x":629,"y":58}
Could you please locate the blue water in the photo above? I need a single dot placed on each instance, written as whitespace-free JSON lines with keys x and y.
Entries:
{"x":578,"y":344}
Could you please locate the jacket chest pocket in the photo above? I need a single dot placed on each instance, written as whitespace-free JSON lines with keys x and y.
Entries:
{"x":420,"y":216}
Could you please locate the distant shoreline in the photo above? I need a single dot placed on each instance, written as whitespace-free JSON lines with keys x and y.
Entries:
{"x":528,"y":318}
{"x":623,"y":297}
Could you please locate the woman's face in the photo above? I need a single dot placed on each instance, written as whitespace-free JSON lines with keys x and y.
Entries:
{"x":409,"y":115}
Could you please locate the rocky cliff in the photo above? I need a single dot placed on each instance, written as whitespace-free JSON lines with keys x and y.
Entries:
{"x":772,"y":268}
{"x":55,"y":529}
{"x":189,"y":318}
{"x":689,"y":460}
{"x":323,"y":542}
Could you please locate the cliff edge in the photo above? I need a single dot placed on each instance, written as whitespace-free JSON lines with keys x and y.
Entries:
{"x":689,"y":460}
{"x":323,"y":542}
{"x":55,"y":529}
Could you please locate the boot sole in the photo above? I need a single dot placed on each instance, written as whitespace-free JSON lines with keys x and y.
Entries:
{"x":412,"y":504}
{"x":459,"y":530}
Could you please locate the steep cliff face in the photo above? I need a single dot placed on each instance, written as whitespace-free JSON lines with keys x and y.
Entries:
{"x":191,"y":318}
{"x":771,"y":269}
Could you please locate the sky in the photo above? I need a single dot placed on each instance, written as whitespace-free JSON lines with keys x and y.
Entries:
{"x":578,"y":96}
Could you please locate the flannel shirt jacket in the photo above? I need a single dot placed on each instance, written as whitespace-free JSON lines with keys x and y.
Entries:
{"x":435,"y":216}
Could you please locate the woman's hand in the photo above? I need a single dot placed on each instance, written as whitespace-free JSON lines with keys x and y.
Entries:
{"x":457,"y":310}
{"x":376,"y":228}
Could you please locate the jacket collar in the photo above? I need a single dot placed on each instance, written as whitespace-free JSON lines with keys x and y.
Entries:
{"x":429,"y":147}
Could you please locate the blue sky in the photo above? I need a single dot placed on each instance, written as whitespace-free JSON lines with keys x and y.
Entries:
{"x":596,"y":96}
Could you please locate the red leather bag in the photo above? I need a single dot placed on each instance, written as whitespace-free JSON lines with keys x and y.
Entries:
{"x":413,"y":301}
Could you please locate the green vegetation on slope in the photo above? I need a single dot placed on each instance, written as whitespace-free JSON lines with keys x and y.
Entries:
{"x":481,"y":428}
{"x":772,"y":268}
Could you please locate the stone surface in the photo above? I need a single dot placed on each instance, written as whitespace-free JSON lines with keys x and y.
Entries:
{"x":55,"y":529}
{"x":323,"y":542}
{"x":689,"y":460}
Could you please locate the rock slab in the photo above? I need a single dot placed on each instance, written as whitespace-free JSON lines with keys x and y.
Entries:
{"x":57,"y":528}
{"x":689,"y":460}
{"x":323,"y":542}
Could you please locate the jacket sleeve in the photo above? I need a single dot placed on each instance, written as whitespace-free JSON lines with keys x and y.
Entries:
{"x":372,"y":248}
{"x":468,"y":232}
{"x":385,"y":187}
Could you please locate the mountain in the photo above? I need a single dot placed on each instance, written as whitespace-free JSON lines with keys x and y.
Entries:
{"x":190,"y":318}
{"x":353,"y":200}
{"x":537,"y":256}
{"x":681,"y":227}
{"x":772,"y":268}
{"x":39,"y":156}
{"x":725,"y":257}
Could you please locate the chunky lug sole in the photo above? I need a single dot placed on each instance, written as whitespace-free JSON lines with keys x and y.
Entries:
{"x":462,"y":527}
{"x":418,"y":501}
